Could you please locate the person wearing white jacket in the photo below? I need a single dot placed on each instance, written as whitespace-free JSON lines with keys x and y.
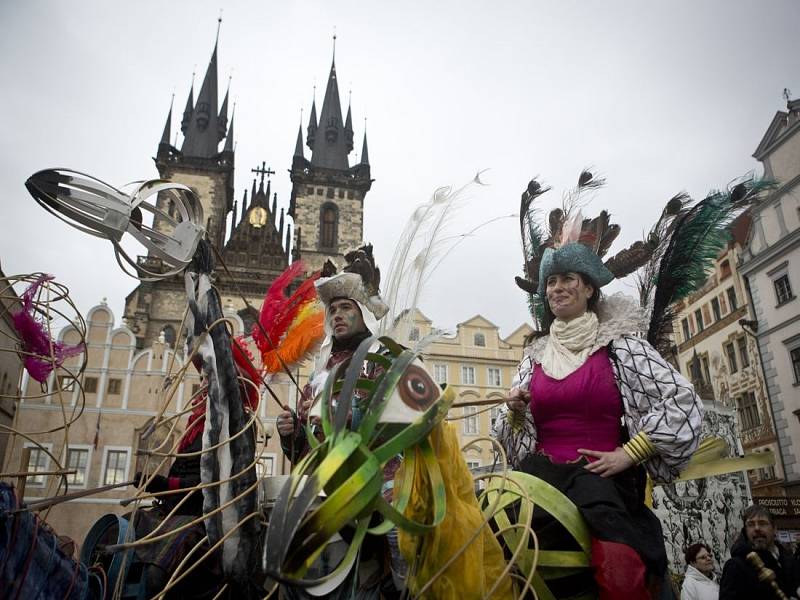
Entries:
{"x":699,"y":583}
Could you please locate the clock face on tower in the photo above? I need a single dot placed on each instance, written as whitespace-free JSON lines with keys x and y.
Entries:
{"x":257,"y":216}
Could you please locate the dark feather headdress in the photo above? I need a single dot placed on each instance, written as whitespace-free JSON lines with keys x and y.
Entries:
{"x":572,"y":241}
{"x":687,"y":249}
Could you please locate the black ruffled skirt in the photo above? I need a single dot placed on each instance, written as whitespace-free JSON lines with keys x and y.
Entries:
{"x":612,"y":507}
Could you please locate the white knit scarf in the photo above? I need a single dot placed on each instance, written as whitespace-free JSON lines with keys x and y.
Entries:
{"x":569,"y":344}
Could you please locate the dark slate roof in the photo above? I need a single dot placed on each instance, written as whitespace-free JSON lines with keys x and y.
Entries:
{"x":330,"y":142}
{"x":201,"y":136}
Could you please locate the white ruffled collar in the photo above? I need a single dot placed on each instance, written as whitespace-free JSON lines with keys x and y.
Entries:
{"x":618,"y":314}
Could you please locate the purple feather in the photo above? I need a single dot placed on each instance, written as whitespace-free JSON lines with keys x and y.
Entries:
{"x":43,"y":354}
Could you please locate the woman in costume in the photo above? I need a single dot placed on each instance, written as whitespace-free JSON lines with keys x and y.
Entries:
{"x":592,"y":406}
{"x":699,"y":582}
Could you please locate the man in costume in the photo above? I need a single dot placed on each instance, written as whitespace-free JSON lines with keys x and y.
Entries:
{"x":184,"y":503}
{"x":740,"y":578}
{"x":353,"y":308}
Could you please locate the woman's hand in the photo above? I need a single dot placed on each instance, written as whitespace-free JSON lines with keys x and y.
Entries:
{"x":518,"y":400}
{"x":607,"y":464}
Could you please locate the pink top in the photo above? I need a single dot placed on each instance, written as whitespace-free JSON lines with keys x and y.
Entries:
{"x":583,"y":410}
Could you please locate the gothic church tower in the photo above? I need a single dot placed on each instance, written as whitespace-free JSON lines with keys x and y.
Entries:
{"x":327,"y":202}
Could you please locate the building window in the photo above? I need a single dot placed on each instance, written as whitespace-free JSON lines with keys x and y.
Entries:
{"x":90,"y":385}
{"x":473,"y":464}
{"x":440,"y":373}
{"x":685,"y":326}
{"x":309,"y":190}
{"x":730,"y":352}
{"x":706,"y":372}
{"x":413,"y":335}
{"x":748,"y":411}
{"x":493,"y":377}
{"x":794,"y":356}
{"x":715,"y":309}
{"x":341,"y":194}
{"x":320,"y":192}
{"x":732,"y":299}
{"x":783,"y":291}
{"x":468,"y":375}
{"x":725,"y":269}
{"x":743,"y":356}
{"x":328,"y":224}
{"x":116,"y":466}
{"x":114,"y":386}
{"x":78,"y":461}
{"x":350,"y":194}
{"x":698,"y":317}
{"x":66,"y":383}
{"x":479,"y":340}
{"x":331,"y":192}
{"x":38,"y":461}
{"x":493,"y":415}
{"x":470,"y":420}
{"x":265,"y":467}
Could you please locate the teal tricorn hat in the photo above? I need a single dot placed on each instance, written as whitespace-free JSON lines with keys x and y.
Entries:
{"x":575,"y":257}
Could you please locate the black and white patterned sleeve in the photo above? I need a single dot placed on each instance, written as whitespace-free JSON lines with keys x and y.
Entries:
{"x":662,"y":404}
{"x":515,"y":432}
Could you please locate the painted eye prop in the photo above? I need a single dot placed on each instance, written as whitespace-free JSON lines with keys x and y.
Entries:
{"x":417,"y":389}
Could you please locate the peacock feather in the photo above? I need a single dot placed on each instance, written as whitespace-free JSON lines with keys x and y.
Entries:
{"x":697,"y":236}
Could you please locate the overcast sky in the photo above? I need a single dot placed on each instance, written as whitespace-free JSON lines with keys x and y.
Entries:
{"x":658,"y":97}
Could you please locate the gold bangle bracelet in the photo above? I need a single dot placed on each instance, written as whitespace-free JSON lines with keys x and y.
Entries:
{"x":640,"y":448}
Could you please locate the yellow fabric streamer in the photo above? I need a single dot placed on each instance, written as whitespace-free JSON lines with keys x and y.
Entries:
{"x":478,"y":567}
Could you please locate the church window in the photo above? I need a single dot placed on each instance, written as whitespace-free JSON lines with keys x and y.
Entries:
{"x":169,"y":335}
{"x":248,"y":316}
{"x":328,"y":226}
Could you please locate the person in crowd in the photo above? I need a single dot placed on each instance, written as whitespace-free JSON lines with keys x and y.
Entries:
{"x":699,"y":584}
{"x":740,"y":577}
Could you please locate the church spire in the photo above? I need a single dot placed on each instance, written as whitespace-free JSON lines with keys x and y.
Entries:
{"x":364,"y":152}
{"x":348,"y":128}
{"x":311,"y":132}
{"x":298,"y":146}
{"x":330,"y":149}
{"x":187,"y":112}
{"x":201,"y":137}
{"x":222,"y":118}
{"x":229,"y":137}
{"x":168,"y":125}
{"x":244,"y":202}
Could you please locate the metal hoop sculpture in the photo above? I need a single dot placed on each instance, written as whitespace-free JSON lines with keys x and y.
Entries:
{"x":101,"y":210}
{"x":549,"y":564}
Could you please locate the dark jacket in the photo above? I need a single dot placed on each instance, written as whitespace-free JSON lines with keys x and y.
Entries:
{"x":740,"y":579}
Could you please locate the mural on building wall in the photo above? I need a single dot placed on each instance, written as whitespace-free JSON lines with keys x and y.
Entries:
{"x":706,"y":510}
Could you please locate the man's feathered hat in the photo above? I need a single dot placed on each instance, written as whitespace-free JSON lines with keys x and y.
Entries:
{"x":359,"y":280}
